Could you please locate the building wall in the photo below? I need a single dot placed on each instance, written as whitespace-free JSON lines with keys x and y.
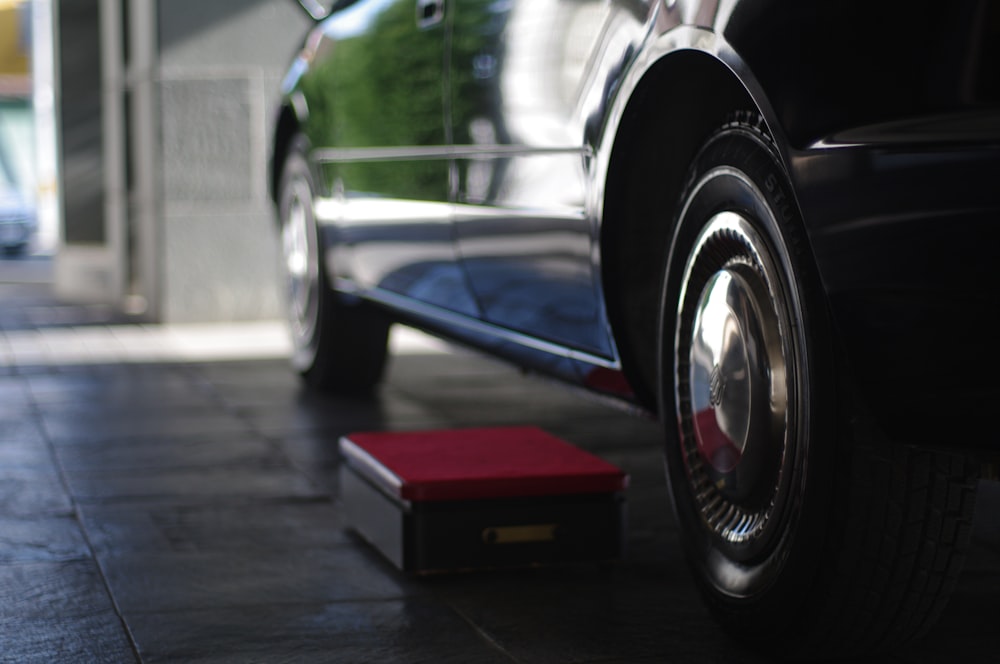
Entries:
{"x":220,"y":66}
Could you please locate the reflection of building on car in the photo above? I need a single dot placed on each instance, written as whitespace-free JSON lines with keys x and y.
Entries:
{"x":773,"y":224}
{"x":17,"y":215}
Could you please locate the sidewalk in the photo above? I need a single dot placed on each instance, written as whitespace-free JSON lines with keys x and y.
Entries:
{"x":37,"y":330}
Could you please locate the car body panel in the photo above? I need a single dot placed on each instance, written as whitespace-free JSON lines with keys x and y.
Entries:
{"x":518,"y":78}
{"x":886,"y":118}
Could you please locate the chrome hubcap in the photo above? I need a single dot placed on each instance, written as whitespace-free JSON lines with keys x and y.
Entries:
{"x":732,"y":379}
{"x":300,"y":262}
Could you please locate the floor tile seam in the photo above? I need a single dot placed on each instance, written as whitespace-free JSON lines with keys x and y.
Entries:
{"x":133,"y":645}
{"x":414,"y":423}
{"x":136,"y":408}
{"x":72,"y":618}
{"x":618,"y":660}
{"x":183,"y":501}
{"x":263,"y":463}
{"x":196,"y":374}
{"x":93,"y":560}
{"x":81,"y":442}
{"x":269,"y":606}
{"x":442,"y":413}
{"x":480,"y":631}
{"x":15,"y":562}
{"x":203,"y":500}
{"x":48,"y":619}
{"x":34,"y":415}
{"x":321,"y":550}
{"x":88,"y":541}
{"x":303,"y":468}
{"x":10,"y":564}
{"x":91,"y":344}
{"x":132,"y":438}
{"x":245,"y":417}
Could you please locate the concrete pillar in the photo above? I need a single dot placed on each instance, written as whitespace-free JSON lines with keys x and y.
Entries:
{"x":165,"y":108}
{"x":220,"y":66}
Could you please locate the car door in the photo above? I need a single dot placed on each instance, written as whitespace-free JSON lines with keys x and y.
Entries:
{"x":376,"y":115}
{"x":518,"y":79}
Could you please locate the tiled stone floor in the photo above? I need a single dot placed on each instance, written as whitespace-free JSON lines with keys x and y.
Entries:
{"x":160,"y":504}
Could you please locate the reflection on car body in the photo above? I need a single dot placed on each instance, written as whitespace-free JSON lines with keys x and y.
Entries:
{"x":770,"y":223}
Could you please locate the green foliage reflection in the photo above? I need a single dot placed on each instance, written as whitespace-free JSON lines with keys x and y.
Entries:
{"x":382,"y":87}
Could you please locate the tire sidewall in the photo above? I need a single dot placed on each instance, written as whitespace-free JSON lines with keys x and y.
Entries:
{"x":781,"y":576}
{"x":295,"y":174}
{"x":344,"y":347}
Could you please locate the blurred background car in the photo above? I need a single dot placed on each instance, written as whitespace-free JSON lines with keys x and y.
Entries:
{"x":17,"y":214}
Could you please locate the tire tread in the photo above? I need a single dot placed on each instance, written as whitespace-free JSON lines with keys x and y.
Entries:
{"x":901,"y":559}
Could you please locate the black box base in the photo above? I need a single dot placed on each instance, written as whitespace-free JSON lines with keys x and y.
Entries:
{"x":431,"y":536}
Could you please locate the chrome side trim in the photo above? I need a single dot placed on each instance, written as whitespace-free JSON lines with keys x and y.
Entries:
{"x":449,"y":318}
{"x":368,"y":210}
{"x":429,"y":152}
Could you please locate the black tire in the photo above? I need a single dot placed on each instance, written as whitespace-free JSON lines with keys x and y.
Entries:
{"x":339,"y":346}
{"x":808,"y":535}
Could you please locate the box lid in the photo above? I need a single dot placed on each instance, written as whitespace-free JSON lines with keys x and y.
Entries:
{"x":469,"y":464}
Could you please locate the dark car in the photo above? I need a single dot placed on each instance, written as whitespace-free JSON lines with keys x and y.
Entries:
{"x":774,"y":224}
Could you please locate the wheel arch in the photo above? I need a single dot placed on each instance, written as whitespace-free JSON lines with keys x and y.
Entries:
{"x":286,"y":126}
{"x":654,"y":145}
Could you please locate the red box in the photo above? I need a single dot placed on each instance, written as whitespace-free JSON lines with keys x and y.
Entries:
{"x":473,"y":498}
